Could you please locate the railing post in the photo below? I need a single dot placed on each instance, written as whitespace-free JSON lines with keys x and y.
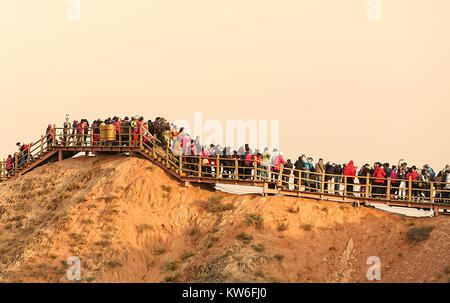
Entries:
{"x":141,"y":135}
{"x":92,"y":136}
{"x":323,"y":181}
{"x":300,"y":180}
{"x":54,"y":135}
{"x":3,"y":170}
{"x":280,"y":181}
{"x":345,"y":186}
{"x":367,"y":185}
{"x":431,"y":192}
{"x":199,"y":165}
{"x":67,"y":134}
{"x":29,"y":152}
{"x":218,"y":167}
{"x":388,"y":193}
{"x":255,"y":168}
{"x":82,"y":136}
{"x":180,"y":164}
{"x":409,"y":188}
{"x":129,"y":136}
{"x":16,"y":162}
{"x":236,"y":169}
{"x":120,"y":135}
{"x":42,"y":145}
{"x":167,"y":155}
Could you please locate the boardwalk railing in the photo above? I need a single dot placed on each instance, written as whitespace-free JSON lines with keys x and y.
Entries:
{"x":200,"y":169}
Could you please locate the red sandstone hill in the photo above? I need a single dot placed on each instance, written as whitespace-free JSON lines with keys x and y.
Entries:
{"x":128,"y":221}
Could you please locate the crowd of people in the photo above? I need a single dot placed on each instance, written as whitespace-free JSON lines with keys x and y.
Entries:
{"x":369,"y":180}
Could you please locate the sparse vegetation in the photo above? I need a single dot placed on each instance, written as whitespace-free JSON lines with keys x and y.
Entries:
{"x":186,"y":255}
{"x":150,"y":168}
{"x":244,"y":237}
{"x":324,"y":209}
{"x":255,"y":220}
{"x":170,"y":265}
{"x":114,"y":263}
{"x":294,"y":210}
{"x":279,"y":257}
{"x":82,"y":199}
{"x":215,"y":205}
{"x":306,"y":227}
{"x":173,"y":278}
{"x":166,"y":188}
{"x":214,"y":230}
{"x":108,"y":199}
{"x":17,"y":218}
{"x":103,"y":243}
{"x":195,"y":231}
{"x":87,"y":221}
{"x":418,"y":234}
{"x":282,"y":227}
{"x":160,"y":251}
{"x":259,"y":247}
{"x":143,"y":227}
{"x":259,"y":273}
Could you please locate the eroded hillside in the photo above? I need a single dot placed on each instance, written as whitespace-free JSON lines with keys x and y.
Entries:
{"x":128,"y":221}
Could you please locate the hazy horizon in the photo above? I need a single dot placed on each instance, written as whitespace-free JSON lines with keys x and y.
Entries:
{"x":342,"y":87}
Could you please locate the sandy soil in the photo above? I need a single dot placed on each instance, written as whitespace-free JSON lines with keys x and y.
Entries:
{"x":128,"y":221}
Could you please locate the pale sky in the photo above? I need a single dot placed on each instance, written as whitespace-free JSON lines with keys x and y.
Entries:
{"x":342,"y":87}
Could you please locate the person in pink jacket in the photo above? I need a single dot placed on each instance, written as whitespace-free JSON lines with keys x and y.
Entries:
{"x":276,"y":167}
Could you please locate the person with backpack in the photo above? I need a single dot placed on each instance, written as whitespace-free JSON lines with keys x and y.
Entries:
{"x":307,"y":165}
{"x":248,"y":162}
{"x":265,"y":163}
{"x":277,"y":165}
{"x":287,"y":169}
{"x":312,"y":169}
{"x":299,"y":167}
{"x":362,"y":175}
{"x":319,"y":169}
{"x":338,"y":172}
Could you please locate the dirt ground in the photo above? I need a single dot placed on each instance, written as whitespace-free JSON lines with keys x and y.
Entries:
{"x":129,"y":221}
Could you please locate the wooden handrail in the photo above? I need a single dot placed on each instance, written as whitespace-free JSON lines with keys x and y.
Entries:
{"x":430,"y":188}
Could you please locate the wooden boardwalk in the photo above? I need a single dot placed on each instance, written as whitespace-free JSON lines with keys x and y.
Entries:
{"x":189,"y":169}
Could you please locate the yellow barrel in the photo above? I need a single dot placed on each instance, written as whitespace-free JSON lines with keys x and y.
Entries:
{"x":107,"y":132}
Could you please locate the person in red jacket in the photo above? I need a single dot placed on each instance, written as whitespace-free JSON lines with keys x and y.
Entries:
{"x":412,"y":173}
{"x":379,"y":175}
{"x":9,"y":164}
{"x":349,"y":174}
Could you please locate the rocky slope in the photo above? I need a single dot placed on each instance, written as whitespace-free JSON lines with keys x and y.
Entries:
{"x":128,"y":221}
